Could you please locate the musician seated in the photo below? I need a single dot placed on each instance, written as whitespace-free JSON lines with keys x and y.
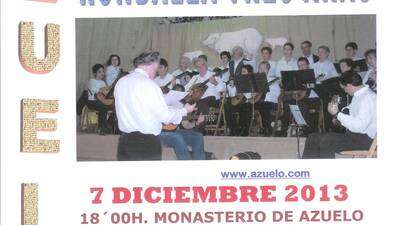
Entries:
{"x":271,"y":97}
{"x":164,"y":79}
{"x":360,"y":122}
{"x":95,"y":86}
{"x":185,"y":135}
{"x":113,"y":69}
{"x":309,"y":102}
{"x":211,"y":97}
{"x":304,"y":64}
{"x":346,"y":64}
{"x":370,"y":77}
{"x":245,"y":109}
{"x":184,"y":66}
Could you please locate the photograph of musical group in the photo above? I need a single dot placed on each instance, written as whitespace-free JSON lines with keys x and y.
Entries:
{"x":151,"y":105}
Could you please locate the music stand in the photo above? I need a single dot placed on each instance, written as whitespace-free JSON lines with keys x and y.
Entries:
{"x":337,"y":67}
{"x":298,"y":80}
{"x":360,"y":65}
{"x":329,"y":88}
{"x":251,"y":83}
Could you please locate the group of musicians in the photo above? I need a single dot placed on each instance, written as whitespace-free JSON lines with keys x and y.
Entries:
{"x":142,"y":111}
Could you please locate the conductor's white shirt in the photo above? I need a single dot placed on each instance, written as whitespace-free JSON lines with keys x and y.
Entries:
{"x":140,"y":105}
{"x":362,"y":117}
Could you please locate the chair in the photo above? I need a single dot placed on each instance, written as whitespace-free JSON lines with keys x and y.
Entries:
{"x":257,"y":126}
{"x":371,"y":153}
{"x":215,"y":128}
{"x":89,"y":120}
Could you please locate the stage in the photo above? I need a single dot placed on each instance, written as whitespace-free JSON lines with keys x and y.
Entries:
{"x":92,"y":147}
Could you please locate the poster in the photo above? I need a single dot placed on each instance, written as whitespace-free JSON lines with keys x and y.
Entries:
{"x":67,"y":159}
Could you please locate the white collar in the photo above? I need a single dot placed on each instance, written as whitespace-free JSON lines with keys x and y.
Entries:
{"x":287,"y":61}
{"x":361,"y":91}
{"x":239,"y":60}
{"x":141,"y":72}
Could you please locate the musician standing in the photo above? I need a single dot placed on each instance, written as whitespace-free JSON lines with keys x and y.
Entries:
{"x":324,"y":68}
{"x":360,"y":122}
{"x":288,"y":62}
{"x":238,"y":61}
{"x":351,"y":50}
{"x":164,"y":77}
{"x":266,"y":56}
{"x":141,"y":111}
{"x":113,"y":69}
{"x":225,"y":58}
{"x":306,"y":50}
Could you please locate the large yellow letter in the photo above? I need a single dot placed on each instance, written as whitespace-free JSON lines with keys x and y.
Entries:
{"x":27,"y":51}
{"x":31,"y":125}
{"x":30,"y":204}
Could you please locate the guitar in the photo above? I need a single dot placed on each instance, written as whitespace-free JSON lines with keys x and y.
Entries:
{"x":165,"y":89}
{"x":106,"y":94}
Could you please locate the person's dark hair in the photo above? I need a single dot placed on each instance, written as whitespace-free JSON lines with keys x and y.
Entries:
{"x":289,"y":44}
{"x":146,"y":58}
{"x":303,"y":59}
{"x":179,"y":87}
{"x":203,"y":57}
{"x":351,"y":77}
{"x":96,"y":68}
{"x":112,"y":56}
{"x":227,"y":54}
{"x":163,"y":62}
{"x":370,"y":52}
{"x":249,"y":68}
{"x":352,"y":45}
{"x":307,"y":42}
{"x":349,"y":62}
{"x":269,"y":49}
{"x":267,"y":64}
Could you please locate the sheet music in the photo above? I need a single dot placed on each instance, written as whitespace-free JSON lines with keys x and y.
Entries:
{"x":298,"y":117}
{"x":172,"y":97}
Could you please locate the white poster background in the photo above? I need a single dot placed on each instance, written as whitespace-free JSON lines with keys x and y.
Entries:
{"x":64,"y":183}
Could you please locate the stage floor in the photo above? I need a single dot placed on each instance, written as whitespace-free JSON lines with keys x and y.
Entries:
{"x":92,"y":147}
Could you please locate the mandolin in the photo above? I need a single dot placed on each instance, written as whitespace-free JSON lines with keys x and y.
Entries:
{"x":106,"y":94}
{"x":165,"y":89}
{"x":200,"y":88}
{"x":191,"y":117}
